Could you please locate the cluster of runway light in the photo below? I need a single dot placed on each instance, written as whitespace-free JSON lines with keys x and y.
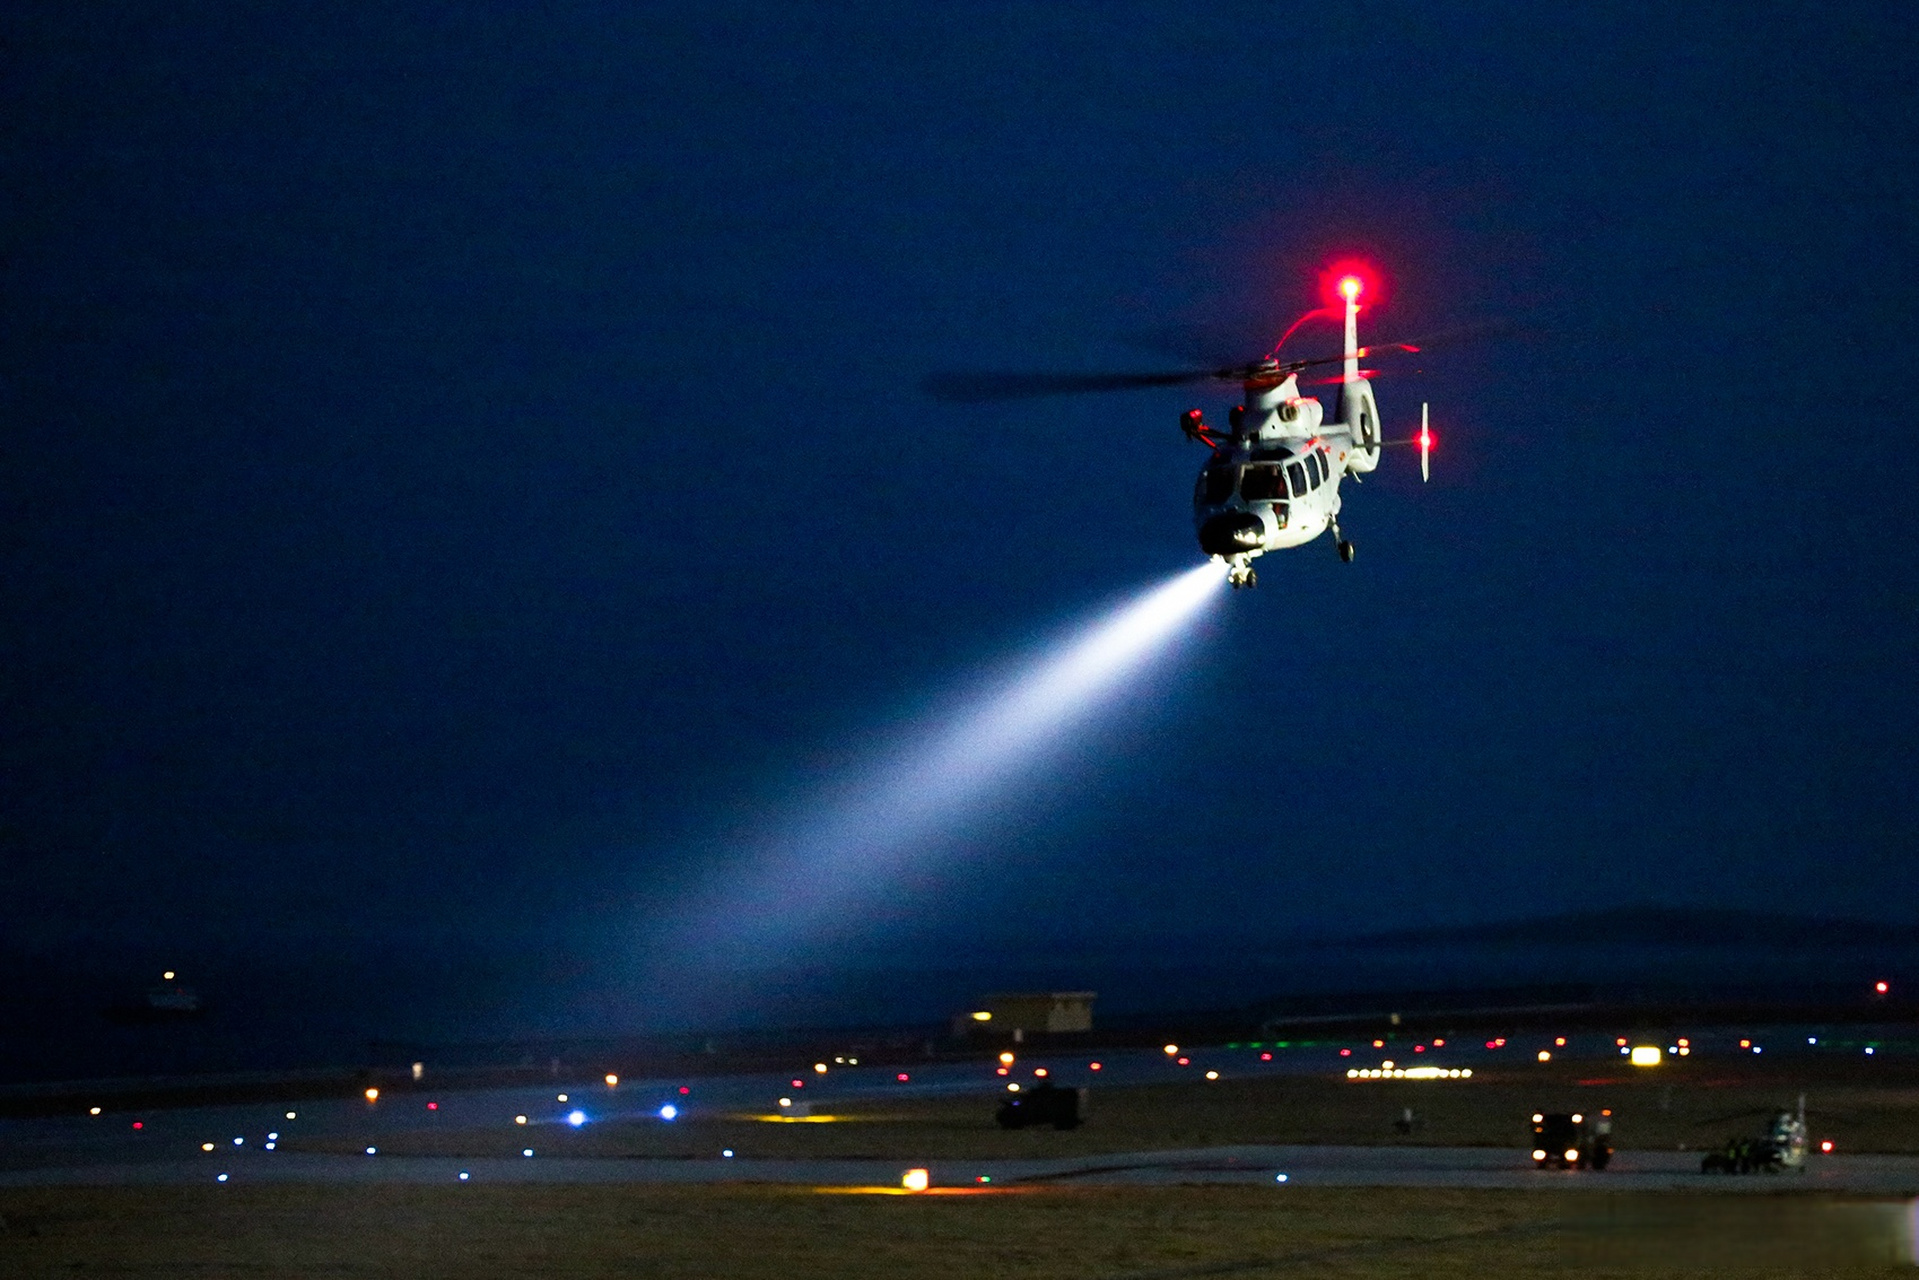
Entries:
{"x":1387,"y":1071}
{"x":929,"y":787}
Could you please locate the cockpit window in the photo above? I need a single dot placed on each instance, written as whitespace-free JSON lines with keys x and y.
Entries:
{"x":1216,"y":484}
{"x":1296,"y":475}
{"x":1314,"y":474}
{"x":1261,"y":483}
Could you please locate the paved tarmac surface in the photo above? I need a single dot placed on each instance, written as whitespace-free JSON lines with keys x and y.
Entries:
{"x":1329,"y":1166}
{"x":122,"y":1148}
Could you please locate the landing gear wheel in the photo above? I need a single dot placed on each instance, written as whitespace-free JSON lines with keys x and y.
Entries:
{"x":1345,"y":551}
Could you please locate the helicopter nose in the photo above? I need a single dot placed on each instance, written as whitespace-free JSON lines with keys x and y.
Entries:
{"x":1229,"y":535}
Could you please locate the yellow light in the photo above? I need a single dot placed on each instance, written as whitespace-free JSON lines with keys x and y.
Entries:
{"x":915,"y":1180}
{"x":1171,"y":1049}
{"x":1578,"y":1119}
{"x":1006,"y":1059}
{"x":1539,"y":1155}
{"x":1013,"y":1088}
{"x":372,"y":1095}
{"x":1352,"y":1073}
{"x":1388,"y":1064}
{"x":519,"y":1119}
{"x":1646,"y":1055}
{"x":1212,"y":1075}
{"x":206,"y":1146}
{"x":786,"y":1102}
{"x":1683,"y":1042}
{"x":820,"y":1067}
{"x":93,"y":1111}
{"x":1041,"y":1072}
{"x":612,"y":1081}
{"x":167,"y":976}
{"x":1572,"y":1155}
{"x":1560,"y":1042}
{"x":1349,"y":288}
{"x":1537,"y":1117}
{"x":1545,"y":1055}
{"x":983,"y":1015}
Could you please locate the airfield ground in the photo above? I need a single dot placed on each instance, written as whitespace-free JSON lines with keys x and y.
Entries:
{"x":1041,"y":1226}
{"x":1861,"y":1107}
{"x":793,"y":1234}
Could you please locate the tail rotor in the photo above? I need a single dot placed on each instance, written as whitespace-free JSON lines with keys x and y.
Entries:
{"x":1425,"y":446}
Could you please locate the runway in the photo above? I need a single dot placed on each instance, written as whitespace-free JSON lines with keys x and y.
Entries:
{"x":1485,"y":1168}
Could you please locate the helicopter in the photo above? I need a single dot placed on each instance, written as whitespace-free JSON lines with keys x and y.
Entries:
{"x":1272,"y":479}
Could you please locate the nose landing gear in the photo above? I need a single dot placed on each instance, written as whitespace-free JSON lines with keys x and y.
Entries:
{"x":1239,"y":573}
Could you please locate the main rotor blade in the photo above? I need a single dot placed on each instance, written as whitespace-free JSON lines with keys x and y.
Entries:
{"x":976,"y":388}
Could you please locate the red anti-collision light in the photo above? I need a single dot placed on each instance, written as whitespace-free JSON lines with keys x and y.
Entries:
{"x":1351,"y":273}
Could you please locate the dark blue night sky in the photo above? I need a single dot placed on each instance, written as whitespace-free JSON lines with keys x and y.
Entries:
{"x":460,"y":462}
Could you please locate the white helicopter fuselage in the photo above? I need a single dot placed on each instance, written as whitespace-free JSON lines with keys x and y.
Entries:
{"x":1274,"y":482}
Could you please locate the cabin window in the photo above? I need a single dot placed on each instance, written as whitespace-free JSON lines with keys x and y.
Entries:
{"x":1261,"y":483}
{"x":1216,"y":484}
{"x":1296,"y":476}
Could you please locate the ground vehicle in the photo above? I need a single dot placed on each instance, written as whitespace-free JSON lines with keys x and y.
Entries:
{"x":1563,"y":1140}
{"x":1043,"y":1103}
{"x":1781,"y":1146}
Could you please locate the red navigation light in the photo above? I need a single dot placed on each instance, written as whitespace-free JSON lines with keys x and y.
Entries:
{"x":1347,"y":281}
{"x":1881,"y":987}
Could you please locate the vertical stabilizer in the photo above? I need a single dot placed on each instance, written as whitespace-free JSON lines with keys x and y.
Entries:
{"x":1357,"y":412}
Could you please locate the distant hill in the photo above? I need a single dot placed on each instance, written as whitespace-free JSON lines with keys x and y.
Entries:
{"x":1651,"y":925}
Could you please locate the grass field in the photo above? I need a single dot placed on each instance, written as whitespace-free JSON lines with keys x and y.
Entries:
{"x":1862,"y":1107}
{"x":785,"y":1234}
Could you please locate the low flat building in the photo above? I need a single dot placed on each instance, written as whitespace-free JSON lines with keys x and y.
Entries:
{"x":1016,"y":1015}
